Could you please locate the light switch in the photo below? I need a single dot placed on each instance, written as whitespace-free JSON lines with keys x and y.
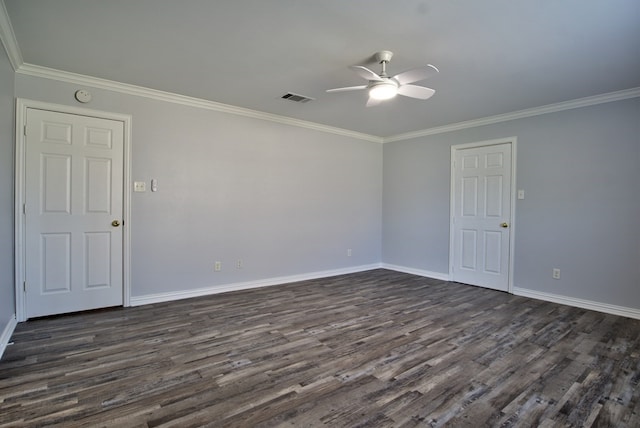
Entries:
{"x":520,"y":194}
{"x":154,"y":184}
{"x":139,"y":186}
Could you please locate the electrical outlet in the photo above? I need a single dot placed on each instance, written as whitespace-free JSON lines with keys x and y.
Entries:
{"x":217,"y":266}
{"x":239,"y":264}
{"x":556,"y":273}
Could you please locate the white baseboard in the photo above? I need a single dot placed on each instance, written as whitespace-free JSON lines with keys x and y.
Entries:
{"x":419,"y":272}
{"x":579,"y":303}
{"x":548,"y":297}
{"x":186,"y":294}
{"x":6,"y":334}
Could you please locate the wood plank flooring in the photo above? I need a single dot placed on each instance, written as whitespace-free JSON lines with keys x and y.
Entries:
{"x":372,"y":349}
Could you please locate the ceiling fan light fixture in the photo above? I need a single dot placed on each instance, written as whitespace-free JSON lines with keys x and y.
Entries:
{"x":381,"y":86}
{"x":383,"y":90}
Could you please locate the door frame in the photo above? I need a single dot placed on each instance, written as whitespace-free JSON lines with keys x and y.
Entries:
{"x":22,"y":105}
{"x":513,"y":141}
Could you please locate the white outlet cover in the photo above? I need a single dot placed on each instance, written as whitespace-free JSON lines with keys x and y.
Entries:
{"x":139,"y":186}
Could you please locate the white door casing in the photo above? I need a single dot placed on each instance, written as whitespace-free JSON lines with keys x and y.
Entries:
{"x":482,"y":214}
{"x":72,"y":182}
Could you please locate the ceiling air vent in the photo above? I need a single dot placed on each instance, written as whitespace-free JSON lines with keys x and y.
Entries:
{"x":296,"y":98}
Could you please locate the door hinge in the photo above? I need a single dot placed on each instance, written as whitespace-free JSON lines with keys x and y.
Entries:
{"x":24,"y":130}
{"x":24,"y":208}
{"x":24,"y":286}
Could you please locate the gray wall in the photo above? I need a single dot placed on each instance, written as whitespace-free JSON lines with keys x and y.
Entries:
{"x":290,"y":201}
{"x":580,"y":170}
{"x":7,"y":299}
{"x":284,"y":199}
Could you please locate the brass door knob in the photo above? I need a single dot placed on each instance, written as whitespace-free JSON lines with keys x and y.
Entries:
{"x":115,"y":223}
{"x":505,"y":225}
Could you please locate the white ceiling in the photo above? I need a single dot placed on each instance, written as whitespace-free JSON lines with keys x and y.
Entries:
{"x":494,"y":56}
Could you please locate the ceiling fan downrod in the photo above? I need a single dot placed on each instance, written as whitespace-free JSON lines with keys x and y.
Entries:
{"x":383,"y":58}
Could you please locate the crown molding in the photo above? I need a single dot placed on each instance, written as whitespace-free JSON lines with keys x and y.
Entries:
{"x":520,"y":114}
{"x":68,"y":77}
{"x":124,"y":88}
{"x":8,"y":38}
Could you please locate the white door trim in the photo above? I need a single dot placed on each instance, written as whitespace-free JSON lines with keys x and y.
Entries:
{"x":512,"y":224}
{"x":21,"y":116}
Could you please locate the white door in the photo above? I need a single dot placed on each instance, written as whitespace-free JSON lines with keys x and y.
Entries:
{"x":482,"y":215}
{"x":73,"y":212}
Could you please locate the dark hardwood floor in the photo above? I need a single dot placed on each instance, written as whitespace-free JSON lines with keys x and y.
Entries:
{"x":375,"y":349}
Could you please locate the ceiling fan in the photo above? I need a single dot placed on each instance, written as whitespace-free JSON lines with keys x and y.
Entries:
{"x":383,"y":87}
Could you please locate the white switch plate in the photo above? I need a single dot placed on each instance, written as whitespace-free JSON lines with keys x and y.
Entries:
{"x":521,"y":194}
{"x":139,"y":186}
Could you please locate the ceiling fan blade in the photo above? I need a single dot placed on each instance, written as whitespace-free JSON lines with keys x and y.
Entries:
{"x":365,"y":73}
{"x":373,"y":102}
{"x":414,"y":91}
{"x":416,"y":74}
{"x":348,"y":88}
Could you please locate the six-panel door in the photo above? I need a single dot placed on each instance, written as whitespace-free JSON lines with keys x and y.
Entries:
{"x":482,"y":212}
{"x":73,"y":193}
